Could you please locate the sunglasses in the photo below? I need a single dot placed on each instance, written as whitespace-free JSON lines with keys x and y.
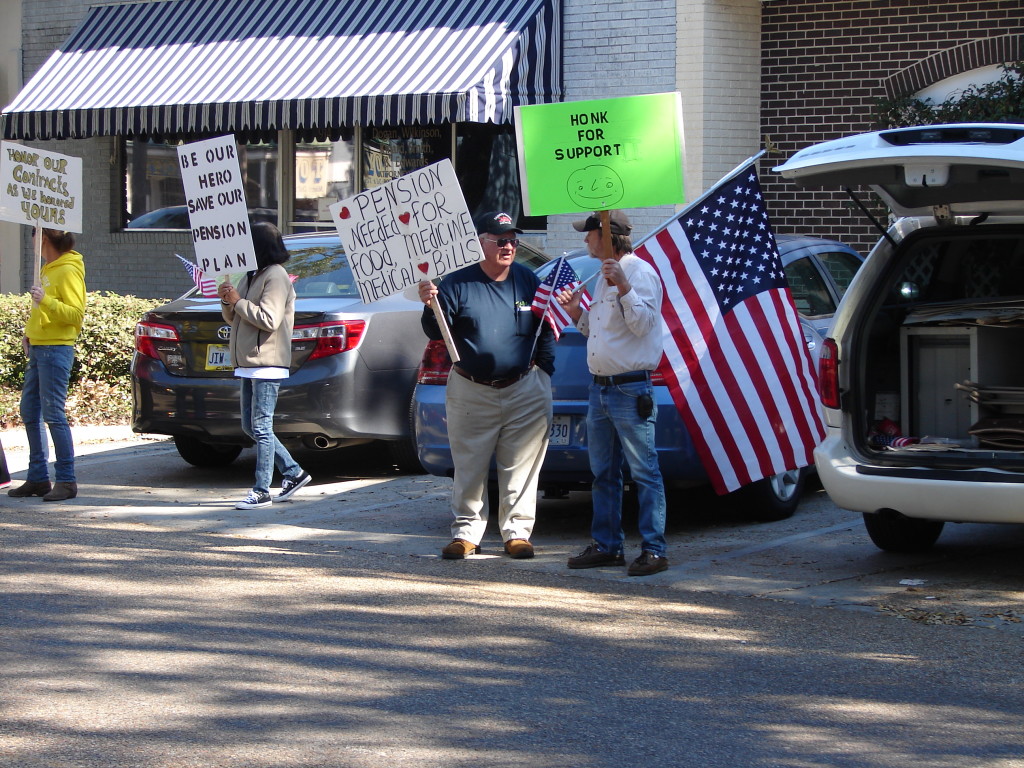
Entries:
{"x":503,"y":241}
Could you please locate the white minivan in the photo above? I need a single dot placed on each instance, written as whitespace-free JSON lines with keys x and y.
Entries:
{"x":922,"y":375}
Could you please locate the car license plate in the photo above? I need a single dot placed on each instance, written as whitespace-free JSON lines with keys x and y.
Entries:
{"x":559,"y":434}
{"x":218,"y":357}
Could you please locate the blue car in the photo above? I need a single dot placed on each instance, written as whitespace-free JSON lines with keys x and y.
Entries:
{"x":818,"y":272}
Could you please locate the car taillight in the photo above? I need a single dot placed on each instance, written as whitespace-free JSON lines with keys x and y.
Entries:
{"x":150,"y":338}
{"x":435,"y":365}
{"x":828,"y":374}
{"x":331,"y":338}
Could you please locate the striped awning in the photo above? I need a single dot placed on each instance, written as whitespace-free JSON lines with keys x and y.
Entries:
{"x":204,"y":66}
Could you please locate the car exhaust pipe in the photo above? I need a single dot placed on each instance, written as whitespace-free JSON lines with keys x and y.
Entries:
{"x":322,"y":442}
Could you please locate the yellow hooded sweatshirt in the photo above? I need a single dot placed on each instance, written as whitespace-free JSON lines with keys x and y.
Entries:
{"x":57,"y":319}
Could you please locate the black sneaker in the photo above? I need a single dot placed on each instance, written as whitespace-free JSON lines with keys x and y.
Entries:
{"x":255,"y":500}
{"x":646,"y":564}
{"x":594,"y":557}
{"x":290,"y":485}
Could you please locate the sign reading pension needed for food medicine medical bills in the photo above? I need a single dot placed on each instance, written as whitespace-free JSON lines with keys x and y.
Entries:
{"x":416,"y":227}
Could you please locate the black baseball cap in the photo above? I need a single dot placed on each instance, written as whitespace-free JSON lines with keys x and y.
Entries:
{"x":618,"y":222}
{"x":495,"y":223}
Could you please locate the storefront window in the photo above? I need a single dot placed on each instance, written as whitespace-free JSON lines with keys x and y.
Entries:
{"x":324,"y":174}
{"x":485,"y":162}
{"x":326,"y":171}
{"x":155,"y":198}
{"x":488,"y":171}
{"x":393,"y":151}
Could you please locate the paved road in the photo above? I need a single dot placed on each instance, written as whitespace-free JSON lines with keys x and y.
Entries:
{"x":148,"y":623}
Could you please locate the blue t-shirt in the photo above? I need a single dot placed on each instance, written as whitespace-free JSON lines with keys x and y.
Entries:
{"x":492,"y":323}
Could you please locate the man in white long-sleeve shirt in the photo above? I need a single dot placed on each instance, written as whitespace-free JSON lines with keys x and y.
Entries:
{"x":624,"y":345}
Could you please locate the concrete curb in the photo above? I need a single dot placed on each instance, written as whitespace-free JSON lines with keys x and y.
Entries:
{"x":16,"y":440}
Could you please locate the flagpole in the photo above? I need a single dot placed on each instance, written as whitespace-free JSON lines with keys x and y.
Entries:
{"x":716,"y":185}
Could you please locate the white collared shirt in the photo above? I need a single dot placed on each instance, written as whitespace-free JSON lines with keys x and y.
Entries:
{"x":624,"y":332}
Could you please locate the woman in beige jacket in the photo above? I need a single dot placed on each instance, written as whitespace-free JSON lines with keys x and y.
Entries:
{"x":262,"y":314}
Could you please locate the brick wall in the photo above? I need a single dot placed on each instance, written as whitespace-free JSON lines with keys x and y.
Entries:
{"x":825,"y":65}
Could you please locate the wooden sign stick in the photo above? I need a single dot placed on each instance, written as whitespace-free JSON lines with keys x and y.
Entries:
{"x":606,"y":238}
{"x":446,"y":332}
{"x":38,"y":246}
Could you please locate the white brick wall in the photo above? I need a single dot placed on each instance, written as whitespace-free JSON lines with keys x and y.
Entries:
{"x":718,"y":68}
{"x":615,"y":49}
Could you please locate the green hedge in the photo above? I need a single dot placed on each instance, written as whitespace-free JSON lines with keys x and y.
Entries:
{"x":1000,"y":101}
{"x":100,"y":379}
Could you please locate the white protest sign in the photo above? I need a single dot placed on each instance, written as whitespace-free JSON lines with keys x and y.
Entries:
{"x":40,"y":187}
{"x":216,"y":206}
{"x":416,"y":227}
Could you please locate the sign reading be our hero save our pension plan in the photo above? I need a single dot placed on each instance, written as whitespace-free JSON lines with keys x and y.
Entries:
{"x":217,"y":211}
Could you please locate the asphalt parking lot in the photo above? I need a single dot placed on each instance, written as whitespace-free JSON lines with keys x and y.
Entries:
{"x":149,"y":623}
{"x":358,"y":502}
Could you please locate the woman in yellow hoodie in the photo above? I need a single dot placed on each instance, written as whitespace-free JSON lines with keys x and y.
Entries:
{"x":53,"y":326}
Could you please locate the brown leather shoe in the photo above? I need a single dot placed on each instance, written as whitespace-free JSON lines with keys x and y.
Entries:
{"x":520,"y":549}
{"x":593,"y":557}
{"x":459,"y":548}
{"x":646,"y":564}
{"x":31,"y":488}
{"x":62,"y":492}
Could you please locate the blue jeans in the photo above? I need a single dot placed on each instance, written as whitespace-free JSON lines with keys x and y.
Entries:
{"x":42,"y":402}
{"x":616,"y":433}
{"x":259,"y":399}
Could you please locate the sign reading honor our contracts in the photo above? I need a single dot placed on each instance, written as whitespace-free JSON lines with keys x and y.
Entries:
{"x":416,"y":227}
{"x":217,"y":211}
{"x":40,"y":188}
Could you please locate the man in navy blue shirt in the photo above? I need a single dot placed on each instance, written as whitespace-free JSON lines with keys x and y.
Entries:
{"x":498,"y":398}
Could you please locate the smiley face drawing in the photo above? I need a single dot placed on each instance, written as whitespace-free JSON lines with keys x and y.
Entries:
{"x":595,"y":187}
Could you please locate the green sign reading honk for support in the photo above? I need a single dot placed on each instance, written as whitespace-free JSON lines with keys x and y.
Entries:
{"x":596,"y":155}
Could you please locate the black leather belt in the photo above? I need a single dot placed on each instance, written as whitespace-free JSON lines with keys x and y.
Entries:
{"x":495,"y":383}
{"x":621,"y":378}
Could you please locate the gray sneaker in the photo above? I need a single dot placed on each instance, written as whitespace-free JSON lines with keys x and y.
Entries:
{"x":291,"y":484}
{"x":255,"y":500}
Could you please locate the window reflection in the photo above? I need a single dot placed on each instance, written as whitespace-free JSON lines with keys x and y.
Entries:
{"x":324,"y":174}
{"x":155,"y":197}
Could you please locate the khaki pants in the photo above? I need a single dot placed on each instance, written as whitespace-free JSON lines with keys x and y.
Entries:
{"x":511,"y":425}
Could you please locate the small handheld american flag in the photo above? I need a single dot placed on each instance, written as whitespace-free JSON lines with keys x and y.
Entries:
{"x":562,"y":277}
{"x":207,"y":286}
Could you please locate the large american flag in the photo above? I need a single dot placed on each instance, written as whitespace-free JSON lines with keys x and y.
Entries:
{"x":561,"y":277}
{"x":735,"y":359}
{"x":207,"y":286}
